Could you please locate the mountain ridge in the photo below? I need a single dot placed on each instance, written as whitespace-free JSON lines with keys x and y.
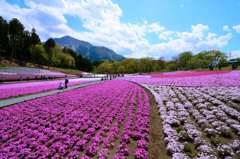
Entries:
{"x":87,"y":50}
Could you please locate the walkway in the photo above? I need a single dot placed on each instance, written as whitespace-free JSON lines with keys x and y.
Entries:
{"x":7,"y":102}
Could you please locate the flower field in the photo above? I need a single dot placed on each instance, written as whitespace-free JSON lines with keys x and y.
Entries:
{"x":200,"y":113}
{"x":200,"y":122}
{"x":191,"y":79}
{"x":12,"y":90}
{"x":107,"y":120}
{"x":197,"y":116}
{"x":26,"y":73}
{"x":185,"y":74}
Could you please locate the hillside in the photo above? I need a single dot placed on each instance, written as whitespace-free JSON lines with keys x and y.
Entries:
{"x":87,"y":50}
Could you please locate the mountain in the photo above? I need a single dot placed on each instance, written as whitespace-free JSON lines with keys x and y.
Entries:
{"x":87,"y":50}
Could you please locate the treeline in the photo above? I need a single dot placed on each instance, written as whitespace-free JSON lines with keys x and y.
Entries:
{"x":213,"y":59}
{"x":17,"y":43}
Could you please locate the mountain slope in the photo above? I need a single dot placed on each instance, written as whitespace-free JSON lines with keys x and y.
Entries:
{"x":87,"y":50}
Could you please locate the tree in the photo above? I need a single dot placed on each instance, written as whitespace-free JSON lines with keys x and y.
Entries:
{"x":34,"y":37}
{"x":131,"y":65}
{"x":3,"y":37}
{"x":62,"y":59}
{"x":146,"y":65}
{"x":24,"y":54}
{"x":184,"y":60}
{"x":15,"y":33}
{"x":204,"y":58}
{"x":80,"y":62}
{"x":105,"y":67}
{"x":49,"y":45}
{"x":161,"y":64}
{"x":39,"y":55}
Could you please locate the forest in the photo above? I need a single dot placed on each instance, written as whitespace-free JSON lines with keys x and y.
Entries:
{"x":21,"y":45}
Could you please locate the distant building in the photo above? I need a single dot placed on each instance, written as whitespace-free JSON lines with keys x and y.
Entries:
{"x":234,"y":63}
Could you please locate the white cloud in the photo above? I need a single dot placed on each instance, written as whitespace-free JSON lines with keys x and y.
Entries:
{"x":236,"y":28}
{"x":235,"y":54}
{"x":166,"y":35}
{"x":156,"y":28}
{"x":226,"y":28}
{"x":101,"y":20}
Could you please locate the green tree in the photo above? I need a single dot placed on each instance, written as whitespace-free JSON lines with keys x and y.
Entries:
{"x":184,"y":60}
{"x":131,"y":65}
{"x":204,"y":58}
{"x":16,"y":34}
{"x":62,"y":59}
{"x":4,"y":41}
{"x":49,"y":45}
{"x":39,"y":55}
{"x":80,"y":62}
{"x":146,"y":65}
{"x":161,"y":63}
{"x":24,"y":54}
{"x":105,"y":67}
{"x":34,"y":37}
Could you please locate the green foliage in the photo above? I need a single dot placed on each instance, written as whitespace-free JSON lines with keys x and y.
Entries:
{"x":80,"y":62}
{"x":4,"y":37}
{"x":15,"y":36}
{"x":146,"y":65}
{"x":179,"y":128}
{"x":105,"y":67}
{"x":15,"y":41}
{"x":35,"y":38}
{"x":39,"y":55}
{"x":190,"y":150}
{"x":184,"y":60}
{"x":61,"y":59}
{"x":49,"y":45}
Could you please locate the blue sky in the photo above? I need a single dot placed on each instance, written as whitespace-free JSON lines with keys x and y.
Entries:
{"x":133,"y":28}
{"x":180,"y":14}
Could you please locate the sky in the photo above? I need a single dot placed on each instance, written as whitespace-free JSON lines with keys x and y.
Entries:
{"x":135,"y":28}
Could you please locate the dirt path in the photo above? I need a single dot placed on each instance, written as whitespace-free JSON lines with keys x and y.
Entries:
{"x":157,"y":148}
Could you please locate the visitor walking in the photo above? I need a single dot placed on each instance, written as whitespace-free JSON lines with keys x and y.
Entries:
{"x":66,"y":82}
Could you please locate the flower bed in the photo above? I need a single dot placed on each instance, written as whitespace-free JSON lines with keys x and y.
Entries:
{"x":11,"y":90}
{"x":107,"y":120}
{"x":186,"y":74}
{"x":26,"y":73}
{"x":200,"y":122}
{"x":221,"y":79}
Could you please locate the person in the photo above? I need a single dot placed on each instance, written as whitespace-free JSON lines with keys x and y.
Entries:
{"x":66,"y":82}
{"x":60,"y":85}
